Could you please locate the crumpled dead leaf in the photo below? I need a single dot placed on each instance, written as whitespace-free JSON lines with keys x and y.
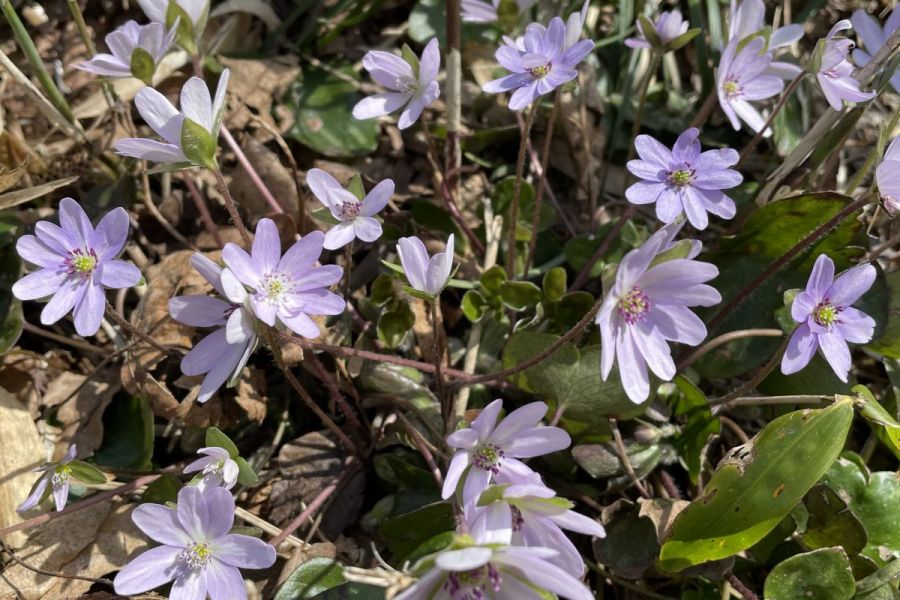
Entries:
{"x":16,"y":460}
{"x":256,"y":83}
{"x":80,"y":411}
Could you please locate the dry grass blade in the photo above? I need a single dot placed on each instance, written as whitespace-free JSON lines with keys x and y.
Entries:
{"x":17,"y":197}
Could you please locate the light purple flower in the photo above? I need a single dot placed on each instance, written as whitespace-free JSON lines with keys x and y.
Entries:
{"x":749,"y":18}
{"x":55,"y":475}
{"x":873,"y":37}
{"x":427,"y":275}
{"x":495,"y":572}
{"x":221,"y":355}
{"x":539,"y":62}
{"x":151,"y":42}
{"x":487,"y":450}
{"x":479,"y":11}
{"x":76,"y":263}
{"x":290,"y":287}
{"x":412,"y":86}
{"x":190,"y":29}
{"x":198,"y":553}
{"x":357,"y":219}
{"x":683,"y":180}
{"x":827,"y":319}
{"x":887,"y":177}
{"x":741,"y":78}
{"x":835,"y":73}
{"x":647,"y":307}
{"x":216,"y":467}
{"x":162,"y":117}
{"x":530,"y":514}
{"x":668,"y":26}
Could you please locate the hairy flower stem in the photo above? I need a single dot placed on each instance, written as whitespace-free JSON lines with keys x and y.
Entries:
{"x":757,"y":377}
{"x":258,"y":183}
{"x":308,"y":400}
{"x":200,"y":203}
{"x":539,"y":192}
{"x":623,"y":456}
{"x":714,"y":343}
{"x":706,"y":110}
{"x":231,"y":205}
{"x":437,"y":352}
{"x":759,"y":134}
{"x":517,"y":192}
{"x":655,"y":57}
{"x":785,"y":258}
{"x":585,"y":271}
{"x":740,"y":587}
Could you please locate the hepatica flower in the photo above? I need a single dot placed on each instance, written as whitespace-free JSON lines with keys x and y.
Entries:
{"x":426,"y":275}
{"x":198,"y":553}
{"x":668,"y":27}
{"x":357,"y":218}
{"x":827,"y":319}
{"x":873,"y":37}
{"x":135,"y":52}
{"x":887,"y":177}
{"x":683,"y":179}
{"x":495,"y":572}
{"x":742,"y":78}
{"x":216,"y":468}
{"x":835,"y":74}
{"x":190,"y":136}
{"x":749,"y":19}
{"x":412,"y":81}
{"x":55,"y":480}
{"x":189,"y":15}
{"x":76,"y":263}
{"x":479,"y":11}
{"x":530,"y":514}
{"x":539,"y":62}
{"x":221,"y":355}
{"x":647,"y":307}
{"x":288,"y":288}
{"x":488,"y":449}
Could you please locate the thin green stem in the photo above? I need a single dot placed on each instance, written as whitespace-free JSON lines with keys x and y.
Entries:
{"x":438,"y":352}
{"x":517,"y":192}
{"x":655,"y":57}
{"x":539,"y":192}
{"x":759,"y":134}
{"x":34,"y":58}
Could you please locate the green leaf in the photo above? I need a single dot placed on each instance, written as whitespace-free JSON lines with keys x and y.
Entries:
{"x":353,"y":591}
{"x":649,"y":31}
{"x":630,"y":546}
{"x":128,"y":434}
{"x":879,"y":580}
{"x":355,"y":187}
{"x":198,"y":145}
{"x":215,"y":437}
{"x":822,"y":574}
{"x":314,"y":577}
{"x":683,"y":39}
{"x":86,"y":472}
{"x":520,"y":295}
{"x":246,"y":475}
{"x":767,"y":235}
{"x":493,"y":279}
{"x":142,"y":65}
{"x":554,"y":284}
{"x":883,"y":424}
{"x":409,"y":56}
{"x":382,"y":290}
{"x":406,"y":532}
{"x":163,"y":490}
{"x":394,"y":324}
{"x":322,"y":103}
{"x":570,"y":377}
{"x":474,"y":305}
{"x":691,"y":403}
{"x":888,"y":343}
{"x":756,"y":485}
{"x":830,"y":523}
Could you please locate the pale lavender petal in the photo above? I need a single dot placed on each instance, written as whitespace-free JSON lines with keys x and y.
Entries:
{"x":820,"y":278}
{"x":263,"y":309}
{"x":694,"y":209}
{"x":196,"y":103}
{"x":220,"y":507}
{"x":544,"y":574}
{"x":200,"y":464}
{"x":73,"y":219}
{"x":303,"y":254}
{"x":679,"y":324}
{"x":526,"y":417}
{"x":149,"y":150}
{"x":367,"y":229}
{"x":231,"y":361}
{"x":321,"y":183}
{"x":218,"y":106}
{"x":55,"y":237}
{"x":377,"y":198}
{"x":37,"y":492}
{"x":117,"y":274}
{"x":507,"y":83}
{"x":266,"y":251}
{"x":669,"y":205}
{"x":318,"y":277}
{"x":653,"y":347}
{"x":89,"y":309}
{"x":414,"y":259}
{"x":193,"y":513}
{"x":647,"y":170}
{"x":160,"y":524}
{"x":154,"y":9}
{"x":803,"y":305}
{"x":578,"y":523}
{"x":61,"y":495}
{"x":105,"y":65}
{"x":159,"y":114}
{"x":205,"y":355}
{"x":477,"y":480}
{"x":800,"y":350}
{"x":63,"y":300}
{"x":319,"y":301}
{"x":836,"y":352}
{"x":198,"y":311}
{"x":379,"y":105}
{"x":632,"y":368}
{"x":244,"y":551}
{"x":243,"y":267}
{"x":387,"y":68}
{"x":652,"y":151}
{"x":493,"y":525}
{"x":786,"y":35}
{"x":464,"y":559}
{"x":523,"y":97}
{"x":855,"y":326}
{"x":763,"y":87}
{"x":302,"y":325}
{"x":40,"y":284}
{"x":150,"y":570}
{"x":749,"y":115}
{"x":224,"y":581}
{"x":110,"y":235}
{"x":645,"y":192}
{"x":465,"y":439}
{"x":210,"y":271}
{"x":687,"y":146}
{"x":340,"y":235}
{"x":439,"y":268}
{"x":537,"y":442}
{"x":189,"y":585}
{"x":457,"y":466}
{"x":430,"y":63}
{"x":238,"y":327}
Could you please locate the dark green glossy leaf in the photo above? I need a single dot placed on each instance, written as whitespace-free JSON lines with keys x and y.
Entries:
{"x":554,"y":284}
{"x":215,"y":437}
{"x":128,"y":434}
{"x":520,"y":295}
{"x":885,"y":426}
{"x":630,"y":546}
{"x":405,"y":533}
{"x":822,"y":574}
{"x":691,"y":404}
{"x":831,"y":523}
{"x":888,"y":343}
{"x":246,"y":475}
{"x":314,"y":577}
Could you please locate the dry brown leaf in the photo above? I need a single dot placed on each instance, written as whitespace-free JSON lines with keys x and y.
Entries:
{"x":10,"y":178}
{"x":251,"y":394}
{"x":275,"y":175}
{"x":16,"y":460}
{"x":80,"y":411}
{"x":254,"y":84}
{"x":10,"y":199}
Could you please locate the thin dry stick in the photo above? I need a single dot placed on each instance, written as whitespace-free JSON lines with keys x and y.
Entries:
{"x":200,"y":203}
{"x":771,"y":401}
{"x":437,"y":351}
{"x":708,"y":105}
{"x":12,"y":555}
{"x":349,"y":469}
{"x":517,"y":192}
{"x":759,"y":134}
{"x":655,"y":57}
{"x":735,"y":429}
{"x":623,"y":456}
{"x":148,"y":202}
{"x":422,"y":444}
{"x":251,"y":172}
{"x":740,"y":587}
{"x":295,"y":171}
{"x":307,"y":399}
{"x":61,"y":339}
{"x":724,"y":339}
{"x":231,"y":205}
{"x":452,"y":149}
{"x":539,"y":192}
{"x":132,"y":331}
{"x":585,"y":272}
{"x":334,"y":391}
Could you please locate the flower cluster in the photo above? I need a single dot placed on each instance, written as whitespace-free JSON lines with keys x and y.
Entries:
{"x":135,"y":51}
{"x":873,"y":37}
{"x":512,"y":545}
{"x":835,"y":72}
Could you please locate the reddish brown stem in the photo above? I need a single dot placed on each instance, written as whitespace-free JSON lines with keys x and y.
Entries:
{"x":585,"y":272}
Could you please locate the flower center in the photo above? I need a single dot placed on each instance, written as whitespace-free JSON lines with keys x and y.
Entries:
{"x":350,"y":210}
{"x":634,"y":305}
{"x":517,"y":519}
{"x":472,"y":585}
{"x":81,"y":262}
{"x":732,"y":88}
{"x":540,"y":71}
{"x":196,"y":556}
{"x":213,"y":467}
{"x":681,"y":177}
{"x":826,"y":315}
{"x":60,"y":476}
{"x":407,"y":85}
{"x":274,"y":286}
{"x":488,"y":458}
